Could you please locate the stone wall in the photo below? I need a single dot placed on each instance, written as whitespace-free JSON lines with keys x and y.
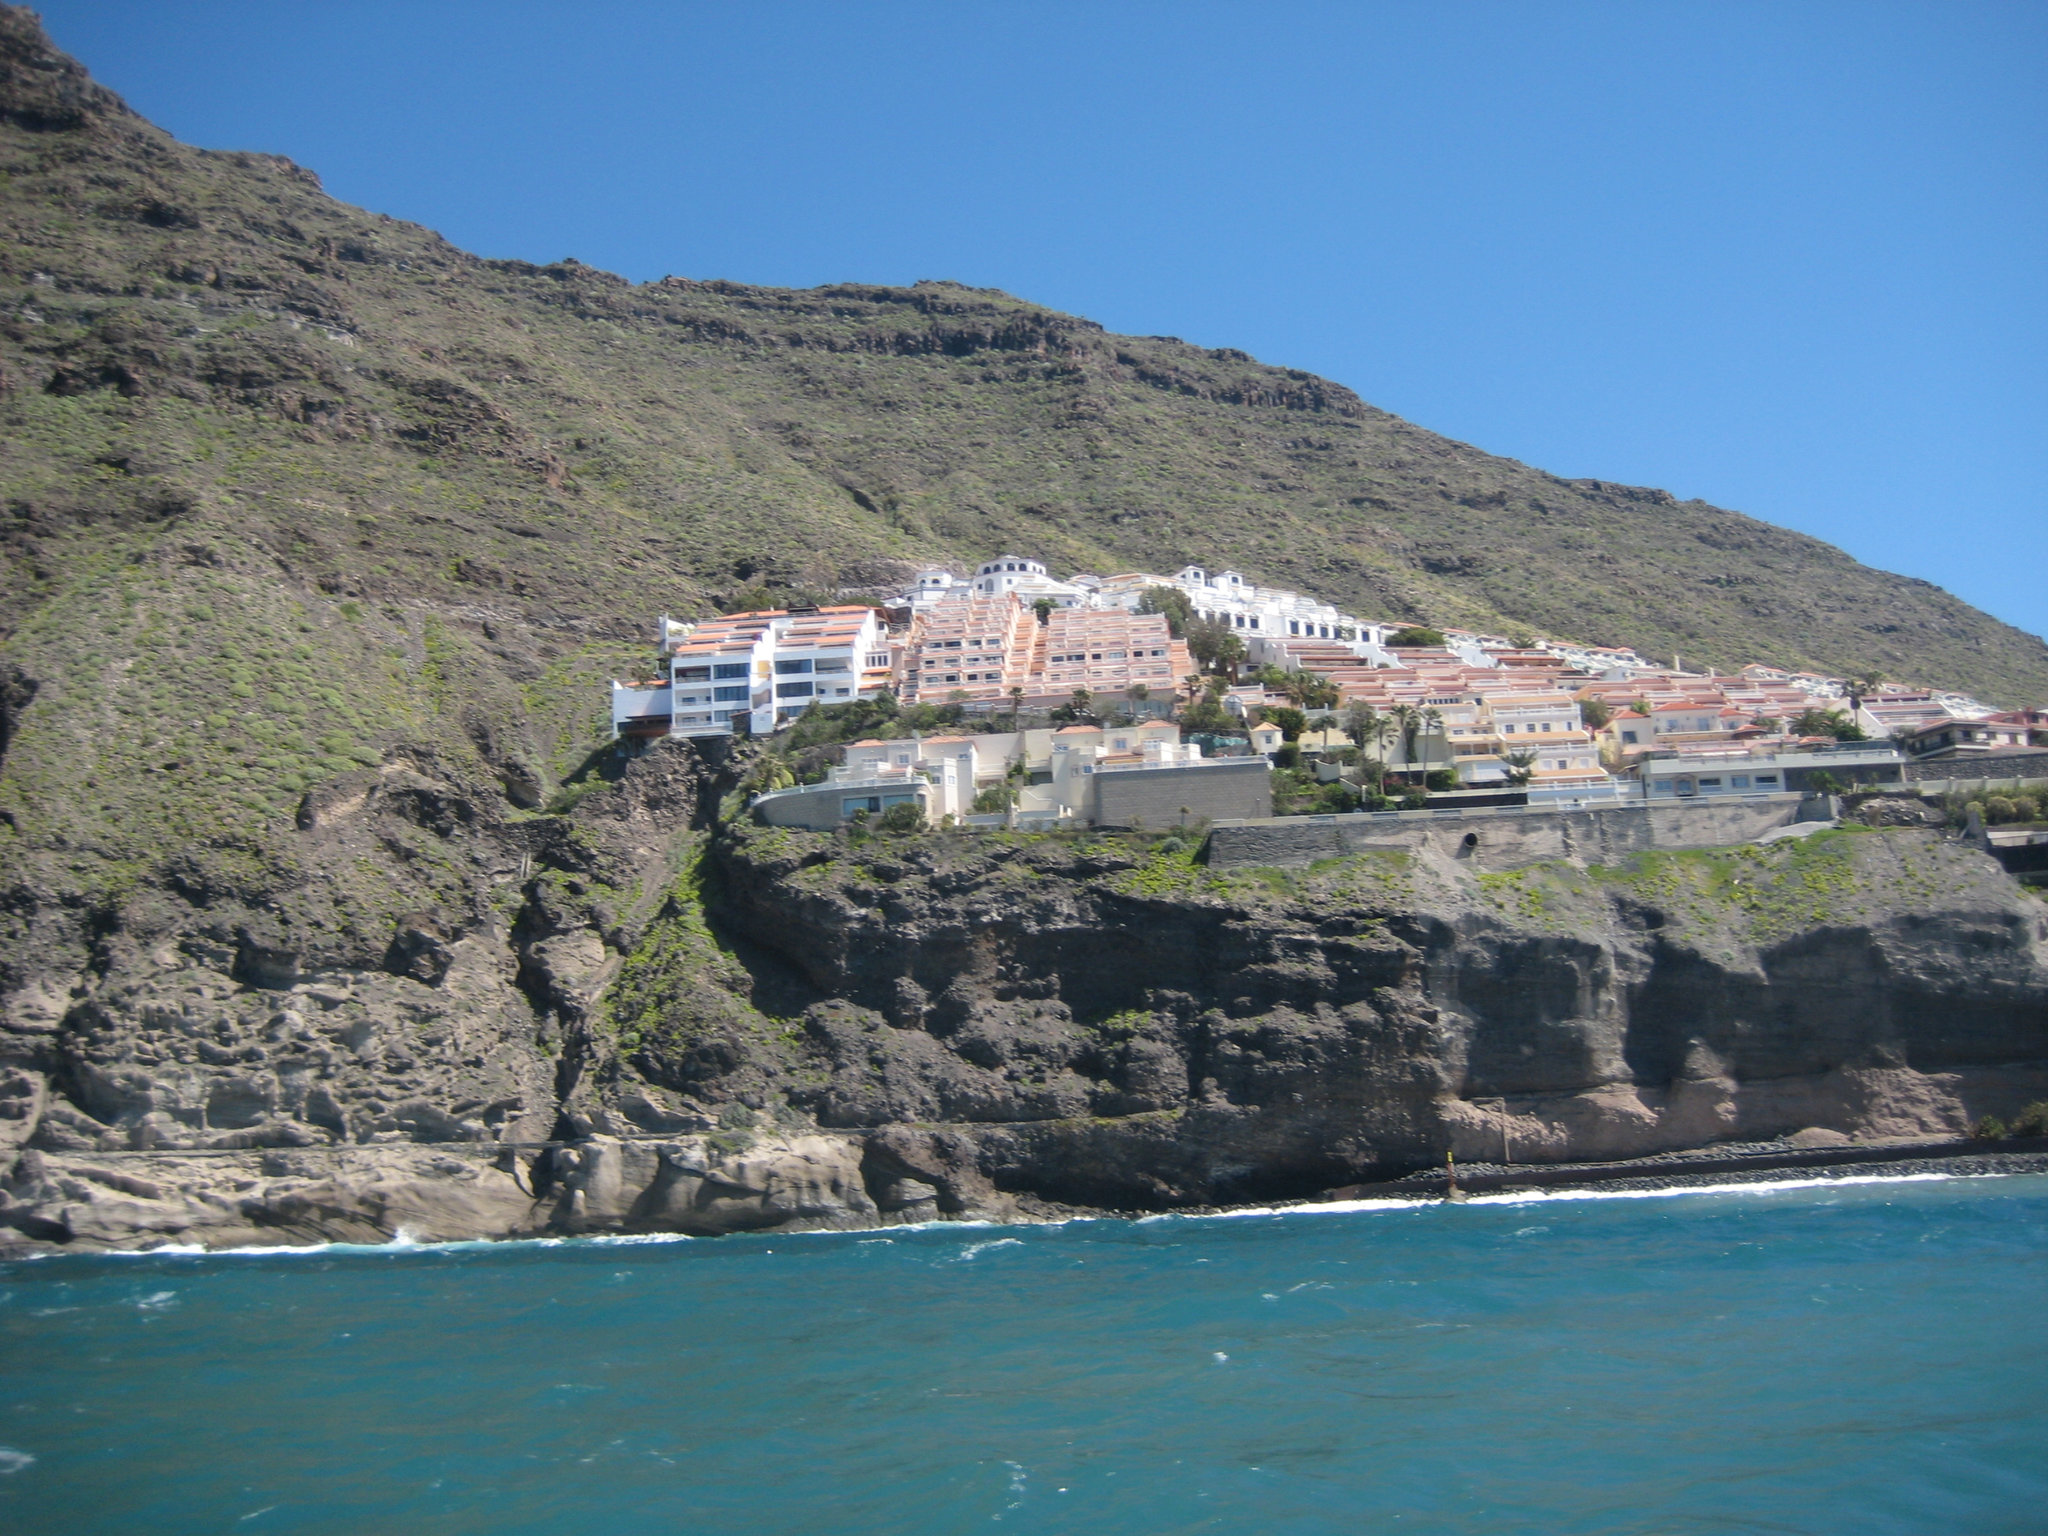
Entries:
{"x":1505,"y":839}
{"x":1172,"y":797}
{"x":1964,"y":770}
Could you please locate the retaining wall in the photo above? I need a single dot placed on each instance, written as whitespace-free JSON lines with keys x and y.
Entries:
{"x":1506,"y":838}
{"x":1172,"y":797}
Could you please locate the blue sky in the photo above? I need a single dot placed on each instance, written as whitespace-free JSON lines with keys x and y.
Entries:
{"x":1786,"y":257}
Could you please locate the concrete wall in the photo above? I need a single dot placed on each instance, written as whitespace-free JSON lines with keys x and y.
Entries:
{"x":818,"y":807}
{"x":1167,"y":797}
{"x":1992,"y":765}
{"x":1505,"y":839}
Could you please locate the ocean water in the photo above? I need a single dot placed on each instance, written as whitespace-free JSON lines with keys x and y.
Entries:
{"x":1862,"y":1358}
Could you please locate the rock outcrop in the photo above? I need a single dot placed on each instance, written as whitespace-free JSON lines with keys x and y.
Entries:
{"x":630,"y":1016}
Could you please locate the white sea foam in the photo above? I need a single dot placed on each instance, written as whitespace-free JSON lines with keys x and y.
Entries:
{"x":405,"y":1245}
{"x":1546,"y":1196}
{"x":975,"y":1250}
{"x":13,"y":1461}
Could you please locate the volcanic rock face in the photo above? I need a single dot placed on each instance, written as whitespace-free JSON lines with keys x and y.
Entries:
{"x":736,"y":1027}
{"x":1120,"y":1027}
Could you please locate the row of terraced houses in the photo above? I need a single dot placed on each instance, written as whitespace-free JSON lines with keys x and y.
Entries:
{"x":1011,"y":638}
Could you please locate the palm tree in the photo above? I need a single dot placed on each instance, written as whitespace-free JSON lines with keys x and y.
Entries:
{"x":1016,"y":705}
{"x":1407,"y":726}
{"x":770,"y":771}
{"x":1520,"y":766}
{"x":1861,"y":687}
{"x":1137,"y":693}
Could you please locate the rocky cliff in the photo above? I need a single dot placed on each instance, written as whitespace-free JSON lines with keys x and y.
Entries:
{"x":319,"y":890}
{"x":725,"y":1026}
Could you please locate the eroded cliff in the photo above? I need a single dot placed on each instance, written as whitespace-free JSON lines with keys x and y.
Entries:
{"x":726,"y":1026}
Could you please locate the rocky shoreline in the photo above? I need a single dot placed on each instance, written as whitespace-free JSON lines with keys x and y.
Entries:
{"x":290,"y":1198}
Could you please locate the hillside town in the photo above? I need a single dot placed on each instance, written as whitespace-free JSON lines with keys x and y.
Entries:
{"x":1171,"y":698}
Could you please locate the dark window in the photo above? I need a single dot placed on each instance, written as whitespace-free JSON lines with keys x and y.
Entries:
{"x":793,"y":668}
{"x":794,"y":690}
{"x":730,"y":669}
{"x":729,"y":695}
{"x":693,"y":674}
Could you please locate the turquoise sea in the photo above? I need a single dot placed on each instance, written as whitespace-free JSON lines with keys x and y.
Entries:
{"x":1866,"y":1357}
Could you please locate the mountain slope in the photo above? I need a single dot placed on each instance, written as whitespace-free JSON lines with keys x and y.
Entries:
{"x":663,"y":441}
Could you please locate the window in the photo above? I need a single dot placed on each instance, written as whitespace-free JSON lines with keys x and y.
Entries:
{"x":730,"y":695}
{"x":834,"y":664}
{"x":693,"y":674}
{"x":1628,"y":736}
{"x":1710,"y":783}
{"x":793,"y":668}
{"x":730,"y":669}
{"x":1739,"y":781}
{"x":1766,"y":778}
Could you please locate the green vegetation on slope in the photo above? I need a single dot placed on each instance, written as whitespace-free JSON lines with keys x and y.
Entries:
{"x":287,"y":487}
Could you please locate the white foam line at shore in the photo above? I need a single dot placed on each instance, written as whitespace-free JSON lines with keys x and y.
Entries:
{"x":402,"y":1244}
{"x":1543,"y":1196}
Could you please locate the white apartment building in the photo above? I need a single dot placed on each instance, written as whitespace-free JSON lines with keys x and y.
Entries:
{"x":755,"y":670}
{"x":945,"y":773}
{"x":1029,"y":581}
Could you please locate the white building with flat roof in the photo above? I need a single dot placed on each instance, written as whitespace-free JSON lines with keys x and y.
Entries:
{"x":754,"y":670}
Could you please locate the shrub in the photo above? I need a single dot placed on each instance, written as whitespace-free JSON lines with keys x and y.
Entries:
{"x":1998,"y":808}
{"x":2033,"y":1120}
{"x":1988,"y":1128}
{"x":1416,"y":635}
{"x":1440,"y":779}
{"x":905,"y":816}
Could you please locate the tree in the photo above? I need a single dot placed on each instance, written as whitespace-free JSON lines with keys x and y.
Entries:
{"x":1861,"y":687}
{"x":1407,"y":726}
{"x":1827,"y":722}
{"x":1292,"y":722}
{"x":770,"y":771}
{"x":1639,"y":706}
{"x":1016,"y":706}
{"x":1079,"y":710}
{"x":1137,"y":693}
{"x":1364,"y":725}
{"x":1595,"y":712}
{"x":1171,"y":602}
{"x":1215,"y":645}
{"x":1415,"y":635}
{"x":1043,"y":607}
{"x":1520,"y":766}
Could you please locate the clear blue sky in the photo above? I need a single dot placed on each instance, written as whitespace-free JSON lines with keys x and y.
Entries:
{"x":1791,"y":258}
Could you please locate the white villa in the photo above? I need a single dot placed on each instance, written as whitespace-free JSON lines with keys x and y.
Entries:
{"x":1051,"y":772}
{"x":759,"y":669}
